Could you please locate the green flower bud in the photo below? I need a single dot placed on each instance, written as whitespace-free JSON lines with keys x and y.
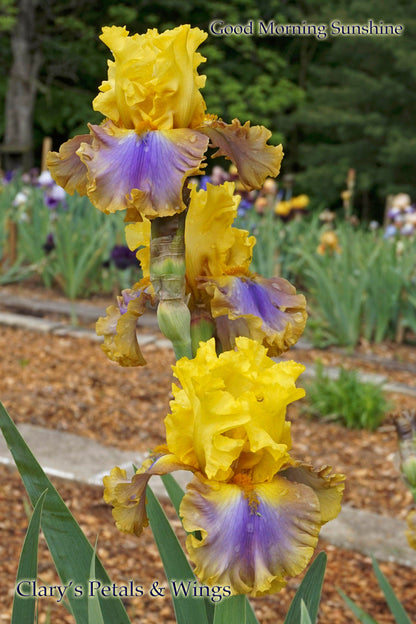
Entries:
{"x":408,"y":468}
{"x":174,"y":321}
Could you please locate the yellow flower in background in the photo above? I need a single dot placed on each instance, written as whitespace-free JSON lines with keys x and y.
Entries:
{"x":299,"y":202}
{"x":411,"y":530}
{"x":286,"y":209}
{"x":328,"y":243}
{"x":283,"y":208}
{"x":257,"y":510}
{"x":155,"y":133}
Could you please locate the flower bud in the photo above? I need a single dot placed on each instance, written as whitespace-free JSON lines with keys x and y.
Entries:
{"x":174,"y":321}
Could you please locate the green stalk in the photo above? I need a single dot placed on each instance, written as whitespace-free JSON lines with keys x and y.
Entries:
{"x":167,"y":274}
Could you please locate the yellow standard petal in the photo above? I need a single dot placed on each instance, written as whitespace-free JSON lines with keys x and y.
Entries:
{"x":153,"y":81}
{"x":212,"y":245}
{"x":229,"y":414}
{"x":138,"y":238}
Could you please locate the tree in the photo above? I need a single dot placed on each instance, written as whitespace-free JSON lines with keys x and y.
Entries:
{"x":21,"y":91}
{"x":246,"y":77}
{"x":359,"y":107}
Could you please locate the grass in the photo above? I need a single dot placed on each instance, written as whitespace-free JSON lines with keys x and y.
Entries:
{"x":356,"y":404}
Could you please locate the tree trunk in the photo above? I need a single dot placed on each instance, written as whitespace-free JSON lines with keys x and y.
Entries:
{"x":21,"y":89}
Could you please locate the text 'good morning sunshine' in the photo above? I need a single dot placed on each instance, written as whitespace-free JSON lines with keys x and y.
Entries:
{"x":335,"y":28}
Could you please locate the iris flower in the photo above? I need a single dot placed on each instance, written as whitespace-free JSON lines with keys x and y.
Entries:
{"x":219,"y":281}
{"x":218,"y":258}
{"x":156,"y":131}
{"x":258,"y":511}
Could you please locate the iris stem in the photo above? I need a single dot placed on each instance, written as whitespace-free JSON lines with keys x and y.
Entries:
{"x":167,"y":274}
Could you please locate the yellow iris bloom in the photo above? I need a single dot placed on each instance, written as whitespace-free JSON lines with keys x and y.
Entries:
{"x":218,"y":277}
{"x":155,"y":133}
{"x":256,"y":509}
{"x":228,"y":416}
{"x":153,"y":81}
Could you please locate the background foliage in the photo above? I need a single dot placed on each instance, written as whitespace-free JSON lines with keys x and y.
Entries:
{"x":336,"y":103}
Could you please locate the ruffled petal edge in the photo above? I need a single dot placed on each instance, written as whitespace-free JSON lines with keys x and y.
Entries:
{"x":246,"y":146}
{"x":119,"y":327}
{"x":251,"y":540}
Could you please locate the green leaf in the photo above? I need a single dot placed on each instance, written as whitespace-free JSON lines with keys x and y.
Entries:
{"x":174,"y":490}
{"x":304,"y":614}
{"x":24,"y":608}
{"x":176,"y":493}
{"x":231,"y":610}
{"x":235,"y":610}
{"x":309,"y":592}
{"x":70,"y":549}
{"x":95,"y":615}
{"x":250,"y":615}
{"x":358,"y":612}
{"x":394,"y":603}
{"x":188,"y":609}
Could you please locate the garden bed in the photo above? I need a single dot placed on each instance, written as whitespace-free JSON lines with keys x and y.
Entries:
{"x":68,"y":384}
{"x":127,"y":557}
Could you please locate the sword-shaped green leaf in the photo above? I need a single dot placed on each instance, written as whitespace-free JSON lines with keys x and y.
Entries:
{"x":24,"y":608}
{"x":70,"y":549}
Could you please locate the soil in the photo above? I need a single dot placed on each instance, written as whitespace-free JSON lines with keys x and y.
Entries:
{"x":68,"y":384}
{"x":128,"y":558}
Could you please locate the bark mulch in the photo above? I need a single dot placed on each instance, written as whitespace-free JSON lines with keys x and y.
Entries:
{"x":128,"y":558}
{"x":68,"y":384}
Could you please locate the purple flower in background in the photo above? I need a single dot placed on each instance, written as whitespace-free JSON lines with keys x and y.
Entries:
{"x":203,"y":181}
{"x":49,"y":244}
{"x":394,"y":212}
{"x":31,"y":177}
{"x":55,"y":196}
{"x":390,"y":231}
{"x":122,"y":257}
{"x":244,"y":206}
{"x":7,"y":176}
{"x":407,"y":229}
{"x":45,"y":179}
